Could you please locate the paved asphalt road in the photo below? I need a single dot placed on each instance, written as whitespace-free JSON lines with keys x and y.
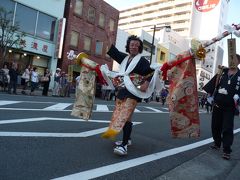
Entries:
{"x":40,"y":140}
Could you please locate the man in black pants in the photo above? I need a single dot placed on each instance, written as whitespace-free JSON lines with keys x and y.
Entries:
{"x":126,"y":101}
{"x":227,"y":91}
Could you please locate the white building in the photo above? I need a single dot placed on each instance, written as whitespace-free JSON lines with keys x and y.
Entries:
{"x":200,"y":19}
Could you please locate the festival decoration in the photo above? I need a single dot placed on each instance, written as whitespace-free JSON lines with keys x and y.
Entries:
{"x":199,"y":52}
{"x":85,"y":91}
{"x":183,"y":96}
{"x":90,"y":70}
{"x":182,"y":99}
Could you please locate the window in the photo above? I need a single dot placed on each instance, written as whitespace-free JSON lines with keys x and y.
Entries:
{"x":101,"y":22}
{"x":8,"y":6}
{"x":99,"y":48}
{"x":74,"y":39}
{"x":78,"y":7}
{"x":26,"y":17}
{"x":87,"y":43}
{"x":91,"y":14}
{"x":147,"y":46}
{"x":111,"y":24}
{"x":162,"y":56}
{"x":46,"y":26}
{"x":106,"y":50}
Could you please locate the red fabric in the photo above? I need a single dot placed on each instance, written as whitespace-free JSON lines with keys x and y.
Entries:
{"x":167,"y":66}
{"x":164,"y":70}
{"x":100,"y":76}
{"x":99,"y":73}
{"x":183,"y":101}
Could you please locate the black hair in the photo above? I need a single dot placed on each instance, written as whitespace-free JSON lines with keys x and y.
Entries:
{"x":135,"y":38}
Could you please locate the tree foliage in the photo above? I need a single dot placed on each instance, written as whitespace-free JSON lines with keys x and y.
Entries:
{"x":10,"y":37}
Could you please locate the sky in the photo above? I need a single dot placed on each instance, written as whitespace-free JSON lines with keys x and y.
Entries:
{"x":233,"y":16}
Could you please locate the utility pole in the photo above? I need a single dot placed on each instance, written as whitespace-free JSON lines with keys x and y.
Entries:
{"x":152,"y":45}
{"x":168,"y":29}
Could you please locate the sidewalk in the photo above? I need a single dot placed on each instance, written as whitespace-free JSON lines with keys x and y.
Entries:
{"x":208,"y":165}
{"x":37,"y":92}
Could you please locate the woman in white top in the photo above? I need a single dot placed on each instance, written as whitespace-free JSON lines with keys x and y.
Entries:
{"x":56,"y":87}
{"x":5,"y":77}
{"x":34,"y":80}
{"x":6,"y":71}
{"x":25,"y":78}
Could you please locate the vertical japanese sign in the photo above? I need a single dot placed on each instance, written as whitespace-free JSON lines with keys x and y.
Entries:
{"x":70,"y":73}
{"x":60,"y":37}
{"x":232,"y":61}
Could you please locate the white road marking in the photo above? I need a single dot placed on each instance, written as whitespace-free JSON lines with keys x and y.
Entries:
{"x":61,"y":107}
{"x":156,"y":110}
{"x":166,"y":109}
{"x":102,"y":111}
{"x":21,"y":120}
{"x":136,"y":110}
{"x":26,"y":109}
{"x":58,"y":106}
{"x":2,"y":103}
{"x":42,"y":134}
{"x":57,"y":110}
{"x":105,"y":170}
{"x":102,"y":108}
{"x":49,"y":118}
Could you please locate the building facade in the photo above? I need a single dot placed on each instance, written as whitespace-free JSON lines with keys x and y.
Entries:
{"x":176,"y":13}
{"x":87,"y":24}
{"x":39,"y":21}
{"x":200,"y":19}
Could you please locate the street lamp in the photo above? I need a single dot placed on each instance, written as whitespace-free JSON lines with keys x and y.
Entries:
{"x":168,"y":29}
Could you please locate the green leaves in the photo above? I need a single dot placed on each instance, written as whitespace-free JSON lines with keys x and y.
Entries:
{"x":10,"y":37}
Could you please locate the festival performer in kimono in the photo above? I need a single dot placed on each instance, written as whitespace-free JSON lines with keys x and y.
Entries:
{"x":224,"y":87}
{"x":126,"y":101}
{"x":182,"y":98}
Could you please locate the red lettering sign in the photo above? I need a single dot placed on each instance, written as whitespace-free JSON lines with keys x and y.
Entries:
{"x":34,"y":45}
{"x":205,"y":5}
{"x":22,"y":43}
{"x":45,"y":48}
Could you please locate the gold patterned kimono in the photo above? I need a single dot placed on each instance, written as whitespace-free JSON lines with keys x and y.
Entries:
{"x":85,"y":91}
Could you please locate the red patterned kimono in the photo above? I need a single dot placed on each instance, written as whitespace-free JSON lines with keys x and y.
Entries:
{"x":183,"y":100}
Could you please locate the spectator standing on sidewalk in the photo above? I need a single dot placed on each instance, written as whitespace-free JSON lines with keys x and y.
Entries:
{"x":46,"y":81}
{"x":5,"y":78}
{"x":56,"y":87}
{"x":203,"y":100}
{"x":6,"y":71}
{"x":13,"y":73}
{"x":164,"y":94}
{"x":25,"y":78}
{"x":34,"y":80}
{"x":209,"y":104}
{"x":63,"y":84}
